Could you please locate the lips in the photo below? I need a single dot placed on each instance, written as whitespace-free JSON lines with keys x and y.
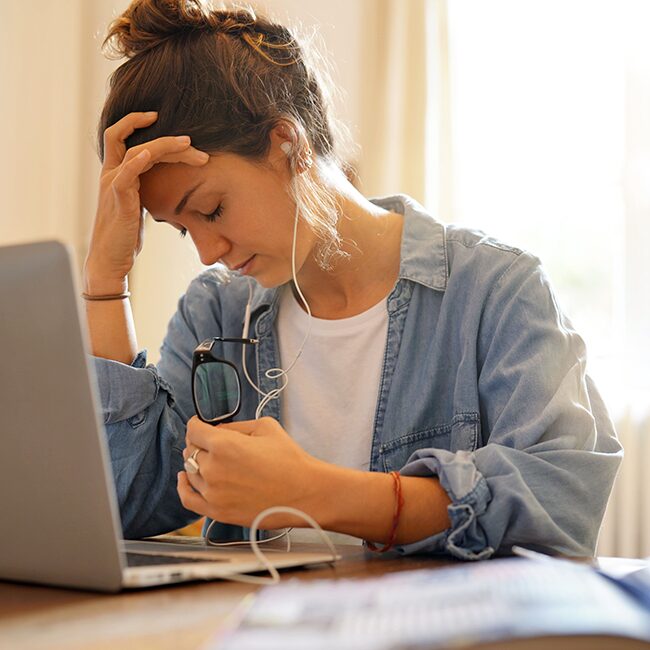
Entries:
{"x":242,"y":267}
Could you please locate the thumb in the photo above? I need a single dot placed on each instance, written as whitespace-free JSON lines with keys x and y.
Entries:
{"x":247,"y":427}
{"x":263,"y":427}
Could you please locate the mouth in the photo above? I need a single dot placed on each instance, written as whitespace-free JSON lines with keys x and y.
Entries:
{"x":244,"y":266}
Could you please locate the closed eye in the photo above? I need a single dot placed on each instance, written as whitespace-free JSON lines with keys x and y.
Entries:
{"x":181,"y":231}
{"x":212,"y":216}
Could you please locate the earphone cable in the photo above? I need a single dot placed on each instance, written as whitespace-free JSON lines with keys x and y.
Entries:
{"x":277,"y":373}
{"x":274,"y":577}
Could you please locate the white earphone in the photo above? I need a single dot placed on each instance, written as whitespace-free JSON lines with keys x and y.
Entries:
{"x":276,"y":373}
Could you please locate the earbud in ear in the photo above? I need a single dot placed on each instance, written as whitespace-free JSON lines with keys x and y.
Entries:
{"x":286,"y":147}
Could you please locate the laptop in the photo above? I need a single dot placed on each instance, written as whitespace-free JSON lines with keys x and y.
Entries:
{"x":58,"y":505}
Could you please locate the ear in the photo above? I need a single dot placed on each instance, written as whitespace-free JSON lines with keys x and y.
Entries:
{"x":289,"y":144}
{"x":281,"y":148}
{"x":286,"y":130}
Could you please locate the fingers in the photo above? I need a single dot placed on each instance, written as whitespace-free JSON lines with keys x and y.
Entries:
{"x":198,"y":481}
{"x":190,"y":499}
{"x":243,"y":426}
{"x":193,"y":449}
{"x":262,"y":427}
{"x":197,"y":465}
{"x":169,"y":149}
{"x":115,"y":135}
{"x":207,"y":436}
{"x":190,"y":156}
{"x":130,"y":171}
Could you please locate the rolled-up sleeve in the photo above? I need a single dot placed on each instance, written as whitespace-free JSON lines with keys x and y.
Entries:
{"x":124,"y":390}
{"x":145,"y":438}
{"x":549,"y":457}
{"x":145,"y":411}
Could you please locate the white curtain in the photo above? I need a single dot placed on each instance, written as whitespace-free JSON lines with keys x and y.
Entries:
{"x":394,"y":101}
{"x":549,"y":105}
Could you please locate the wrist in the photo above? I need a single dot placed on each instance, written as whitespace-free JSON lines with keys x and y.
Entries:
{"x":363,"y":504}
{"x":102,"y":284}
{"x":320,"y":477}
{"x":352,"y":501}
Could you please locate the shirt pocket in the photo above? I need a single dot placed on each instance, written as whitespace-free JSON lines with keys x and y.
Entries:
{"x":462,"y":433}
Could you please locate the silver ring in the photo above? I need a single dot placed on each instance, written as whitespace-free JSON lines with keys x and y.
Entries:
{"x":191,"y":464}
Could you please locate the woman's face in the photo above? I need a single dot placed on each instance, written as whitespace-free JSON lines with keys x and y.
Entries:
{"x":236,"y":212}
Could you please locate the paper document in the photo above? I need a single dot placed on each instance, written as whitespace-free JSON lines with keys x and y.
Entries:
{"x":456,"y":606}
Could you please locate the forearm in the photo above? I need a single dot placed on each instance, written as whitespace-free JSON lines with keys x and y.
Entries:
{"x":110,"y":322}
{"x":362,"y":504}
{"x":146,"y":459}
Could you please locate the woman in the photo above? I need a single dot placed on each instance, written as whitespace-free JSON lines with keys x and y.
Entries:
{"x":437,"y":400}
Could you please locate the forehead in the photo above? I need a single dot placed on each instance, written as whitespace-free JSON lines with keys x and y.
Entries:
{"x":164,"y":185}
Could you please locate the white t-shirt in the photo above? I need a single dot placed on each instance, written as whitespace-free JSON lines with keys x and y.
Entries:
{"x":329,"y":405}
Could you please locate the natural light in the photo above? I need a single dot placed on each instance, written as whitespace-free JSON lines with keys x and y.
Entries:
{"x":543,"y":150}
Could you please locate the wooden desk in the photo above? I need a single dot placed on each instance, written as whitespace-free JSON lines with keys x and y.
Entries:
{"x":177,"y":617}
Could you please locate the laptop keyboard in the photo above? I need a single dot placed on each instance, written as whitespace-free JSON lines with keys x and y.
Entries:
{"x":142,"y":559}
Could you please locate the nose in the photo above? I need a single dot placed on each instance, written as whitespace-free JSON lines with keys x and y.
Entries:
{"x":211,"y":248}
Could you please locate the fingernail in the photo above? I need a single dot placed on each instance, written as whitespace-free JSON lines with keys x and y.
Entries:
{"x":183,"y":139}
{"x":204,"y":156}
{"x":151,"y":113}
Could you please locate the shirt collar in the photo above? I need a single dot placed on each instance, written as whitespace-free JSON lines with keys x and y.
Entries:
{"x":424,"y":250}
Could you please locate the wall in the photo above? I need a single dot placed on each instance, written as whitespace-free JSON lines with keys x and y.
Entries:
{"x":40,"y":113}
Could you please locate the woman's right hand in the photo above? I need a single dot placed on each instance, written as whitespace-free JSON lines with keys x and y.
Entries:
{"x":118,"y":229}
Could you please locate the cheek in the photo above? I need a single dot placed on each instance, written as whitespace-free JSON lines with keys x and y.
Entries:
{"x":306,"y":244}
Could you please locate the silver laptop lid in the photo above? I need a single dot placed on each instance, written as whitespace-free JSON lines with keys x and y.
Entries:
{"x":58,"y":507}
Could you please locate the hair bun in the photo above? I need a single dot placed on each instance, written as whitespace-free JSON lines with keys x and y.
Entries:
{"x":147,"y":23}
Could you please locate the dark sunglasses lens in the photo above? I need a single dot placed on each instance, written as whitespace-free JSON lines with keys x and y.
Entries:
{"x":216,"y":391}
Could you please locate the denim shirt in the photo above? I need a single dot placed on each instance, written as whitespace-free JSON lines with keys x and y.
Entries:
{"x":483,"y":386}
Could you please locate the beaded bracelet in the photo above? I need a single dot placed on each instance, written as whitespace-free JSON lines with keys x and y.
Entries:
{"x":399,"y":504}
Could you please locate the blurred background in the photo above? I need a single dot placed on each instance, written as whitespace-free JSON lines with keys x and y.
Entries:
{"x":529,"y":120}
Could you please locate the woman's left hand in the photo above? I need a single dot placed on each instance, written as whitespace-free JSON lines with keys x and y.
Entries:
{"x":246,"y":467}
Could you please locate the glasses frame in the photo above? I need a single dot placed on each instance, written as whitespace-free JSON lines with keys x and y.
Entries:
{"x":202,"y":355}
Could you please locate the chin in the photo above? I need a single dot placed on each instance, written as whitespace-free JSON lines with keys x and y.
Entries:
{"x":272,"y":280}
{"x":269,"y":283}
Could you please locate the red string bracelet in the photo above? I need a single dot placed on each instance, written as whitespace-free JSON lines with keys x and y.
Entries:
{"x":399,"y":504}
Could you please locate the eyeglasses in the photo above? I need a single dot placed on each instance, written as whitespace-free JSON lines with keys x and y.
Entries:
{"x":216,"y":386}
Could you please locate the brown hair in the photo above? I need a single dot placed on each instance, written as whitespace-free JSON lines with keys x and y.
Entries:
{"x":225,"y":77}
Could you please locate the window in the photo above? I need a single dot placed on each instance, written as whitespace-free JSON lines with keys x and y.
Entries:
{"x":550,"y":151}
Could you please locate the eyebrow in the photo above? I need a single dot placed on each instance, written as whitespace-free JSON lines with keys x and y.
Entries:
{"x":186,"y":197}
